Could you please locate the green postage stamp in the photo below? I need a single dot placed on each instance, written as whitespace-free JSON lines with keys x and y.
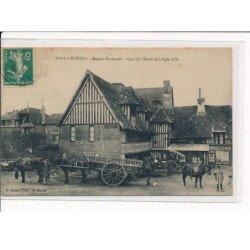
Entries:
{"x":18,"y":66}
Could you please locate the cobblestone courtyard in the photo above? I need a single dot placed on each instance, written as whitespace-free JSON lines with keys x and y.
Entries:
{"x":167,"y":186}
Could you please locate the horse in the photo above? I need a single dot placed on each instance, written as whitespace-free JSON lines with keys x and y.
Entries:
{"x":71,"y":166}
{"x":42,"y":167}
{"x":188,"y":170}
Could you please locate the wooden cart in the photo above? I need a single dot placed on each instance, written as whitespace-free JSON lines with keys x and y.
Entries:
{"x":113,"y":171}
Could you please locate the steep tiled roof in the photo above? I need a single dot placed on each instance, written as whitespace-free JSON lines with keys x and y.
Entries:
{"x":141,"y":127}
{"x":157,"y":94}
{"x":143,"y":105}
{"x":35,"y":114}
{"x":111,"y":95}
{"x":160,"y":116}
{"x":53,"y":119}
{"x":188,"y":124}
{"x":125,"y":95}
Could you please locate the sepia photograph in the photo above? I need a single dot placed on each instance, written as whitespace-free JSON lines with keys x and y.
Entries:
{"x":121,"y":121}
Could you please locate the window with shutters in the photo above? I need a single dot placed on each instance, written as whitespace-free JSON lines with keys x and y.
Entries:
{"x":72,"y":133}
{"x":91,"y":133}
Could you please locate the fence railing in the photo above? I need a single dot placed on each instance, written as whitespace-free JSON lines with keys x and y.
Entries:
{"x":124,"y":162}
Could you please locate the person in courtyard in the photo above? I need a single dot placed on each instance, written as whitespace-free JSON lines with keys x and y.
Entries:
{"x":147,"y":162}
{"x":196,"y":169}
{"x":219,"y":178}
{"x":148,"y":181}
{"x":230,"y":176}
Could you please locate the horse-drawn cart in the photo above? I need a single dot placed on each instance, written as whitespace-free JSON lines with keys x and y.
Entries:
{"x":172,"y":163}
{"x":112,"y":171}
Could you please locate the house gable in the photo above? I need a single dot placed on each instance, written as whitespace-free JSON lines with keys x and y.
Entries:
{"x":88,"y":106}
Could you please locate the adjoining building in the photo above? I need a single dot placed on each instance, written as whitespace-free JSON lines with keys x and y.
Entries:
{"x":202,"y":132}
{"x":31,"y":120}
{"x":24,"y":121}
{"x":113,"y":120}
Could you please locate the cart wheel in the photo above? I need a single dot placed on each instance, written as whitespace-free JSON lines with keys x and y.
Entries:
{"x":172,"y":166}
{"x":113,"y":174}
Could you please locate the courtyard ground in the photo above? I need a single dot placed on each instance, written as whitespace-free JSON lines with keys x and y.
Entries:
{"x":167,"y":186}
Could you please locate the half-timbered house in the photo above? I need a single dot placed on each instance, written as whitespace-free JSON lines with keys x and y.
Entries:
{"x":161,"y":124}
{"x":101,"y":119}
{"x":24,"y":121}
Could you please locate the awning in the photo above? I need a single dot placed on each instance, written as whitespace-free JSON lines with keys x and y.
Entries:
{"x":175,"y":152}
{"x":190,"y":147}
{"x":169,"y":150}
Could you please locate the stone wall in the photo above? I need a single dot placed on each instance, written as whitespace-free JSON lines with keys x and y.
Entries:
{"x":107,"y":141}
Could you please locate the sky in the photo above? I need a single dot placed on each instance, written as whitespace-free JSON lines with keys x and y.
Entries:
{"x":59,"y":71}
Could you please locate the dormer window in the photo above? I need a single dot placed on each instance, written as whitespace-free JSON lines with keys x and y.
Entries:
{"x":156,"y":103}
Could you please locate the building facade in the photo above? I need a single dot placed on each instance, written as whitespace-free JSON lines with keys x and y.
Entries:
{"x":112,"y":120}
{"x":102,"y":120}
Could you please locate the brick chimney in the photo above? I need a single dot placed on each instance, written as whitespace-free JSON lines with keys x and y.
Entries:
{"x":167,"y":97}
{"x":201,"y":104}
{"x":43,"y":114}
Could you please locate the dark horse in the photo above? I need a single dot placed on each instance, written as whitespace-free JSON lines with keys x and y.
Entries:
{"x":198,"y":173}
{"x":42,"y":167}
{"x":71,"y":166}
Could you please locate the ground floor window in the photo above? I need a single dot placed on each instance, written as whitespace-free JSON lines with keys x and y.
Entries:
{"x":222,"y":156}
{"x":72,"y":133}
{"x":196,"y":159}
{"x":211,"y":157}
{"x":91,"y":133}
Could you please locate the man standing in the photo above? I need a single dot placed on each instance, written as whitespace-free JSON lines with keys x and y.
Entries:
{"x":219,"y":177}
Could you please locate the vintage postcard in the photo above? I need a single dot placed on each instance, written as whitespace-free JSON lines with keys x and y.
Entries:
{"x":116,"y":121}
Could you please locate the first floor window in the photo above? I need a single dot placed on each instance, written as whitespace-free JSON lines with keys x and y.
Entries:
{"x":72,"y":133}
{"x":91,"y":133}
{"x":219,"y":138}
